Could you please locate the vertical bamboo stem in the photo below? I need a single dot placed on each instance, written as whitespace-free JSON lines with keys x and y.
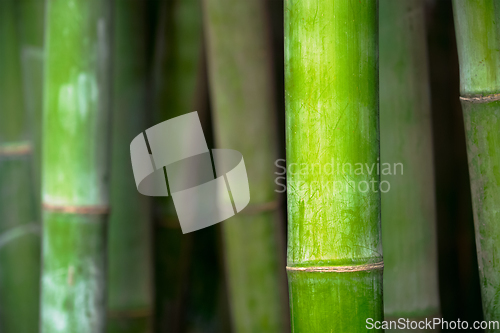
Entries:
{"x":32,"y":14}
{"x":243,"y":111}
{"x":130,"y":275}
{"x":177,"y":62}
{"x":408,"y":207}
{"x":331,"y":82}
{"x":19,"y":228}
{"x":478,"y":41}
{"x":75,"y":165}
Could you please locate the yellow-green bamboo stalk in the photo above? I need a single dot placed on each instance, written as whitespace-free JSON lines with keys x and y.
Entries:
{"x":242,"y":98}
{"x":406,"y":164}
{"x":331,"y":82}
{"x":75,"y":165}
{"x":130,"y":278}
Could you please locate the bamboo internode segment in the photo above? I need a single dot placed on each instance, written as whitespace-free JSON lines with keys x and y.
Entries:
{"x":338,"y":269}
{"x":331,"y":98}
{"x":83,"y":210}
{"x":15,"y":149}
{"x":480,"y":98}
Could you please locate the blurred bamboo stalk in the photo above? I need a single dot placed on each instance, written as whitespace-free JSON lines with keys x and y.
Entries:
{"x":188,"y":288}
{"x":406,"y":164}
{"x":242,"y":94}
{"x":19,"y":227}
{"x":77,"y":96}
{"x":32,"y":14}
{"x":130,"y":276}
{"x":478,"y":42}
{"x":331,"y":84}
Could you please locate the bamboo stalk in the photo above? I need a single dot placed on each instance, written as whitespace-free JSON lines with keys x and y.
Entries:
{"x":32,"y":31}
{"x":19,"y":228}
{"x":478,"y":43}
{"x":334,"y":248}
{"x":130,"y":277}
{"x":177,"y":67}
{"x":406,"y":164}
{"x":239,"y":64}
{"x":75,"y":165}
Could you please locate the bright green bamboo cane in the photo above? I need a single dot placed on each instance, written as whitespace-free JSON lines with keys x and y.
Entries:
{"x":19,"y":228}
{"x":477,"y":25}
{"x":130,"y":278}
{"x":406,"y":164}
{"x":75,"y":165}
{"x":242,"y":99}
{"x":334,"y":247}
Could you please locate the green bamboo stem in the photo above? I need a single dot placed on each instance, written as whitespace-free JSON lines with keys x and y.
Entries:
{"x":243,"y":111}
{"x":130,"y":277}
{"x":331,"y":82}
{"x":478,"y":42}
{"x":32,"y":13}
{"x":406,"y":163}
{"x":177,"y":62}
{"x":19,"y":228}
{"x":75,"y":165}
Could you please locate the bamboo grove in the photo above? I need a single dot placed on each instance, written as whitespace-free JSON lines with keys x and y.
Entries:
{"x":328,"y":101}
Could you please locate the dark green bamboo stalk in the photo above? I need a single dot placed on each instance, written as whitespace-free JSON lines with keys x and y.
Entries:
{"x":478,"y":40}
{"x":176,"y":72}
{"x":243,"y":111}
{"x":32,"y":13}
{"x":130,"y":276}
{"x":406,"y":164}
{"x":334,"y":248}
{"x":75,"y":165}
{"x":19,"y":228}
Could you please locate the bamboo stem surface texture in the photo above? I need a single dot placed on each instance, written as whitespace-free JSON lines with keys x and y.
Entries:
{"x":75,"y":165}
{"x":332,"y":130}
{"x":477,"y":25}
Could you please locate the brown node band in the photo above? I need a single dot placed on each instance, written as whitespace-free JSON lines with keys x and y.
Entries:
{"x":260,"y":208}
{"x":168,"y":222}
{"x":139,"y":313}
{"x":481,"y":98}
{"x":338,"y":269}
{"x":15,"y":149}
{"x":70,"y":209}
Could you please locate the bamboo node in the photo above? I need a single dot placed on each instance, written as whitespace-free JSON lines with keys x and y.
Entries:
{"x":84,"y":210}
{"x":15,"y":148}
{"x":481,"y":98}
{"x":260,"y":208}
{"x":338,"y":269}
{"x":138,"y":313}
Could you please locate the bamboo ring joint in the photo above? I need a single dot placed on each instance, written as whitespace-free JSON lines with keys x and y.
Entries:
{"x":481,"y":99}
{"x":84,"y":210}
{"x":338,"y":269}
